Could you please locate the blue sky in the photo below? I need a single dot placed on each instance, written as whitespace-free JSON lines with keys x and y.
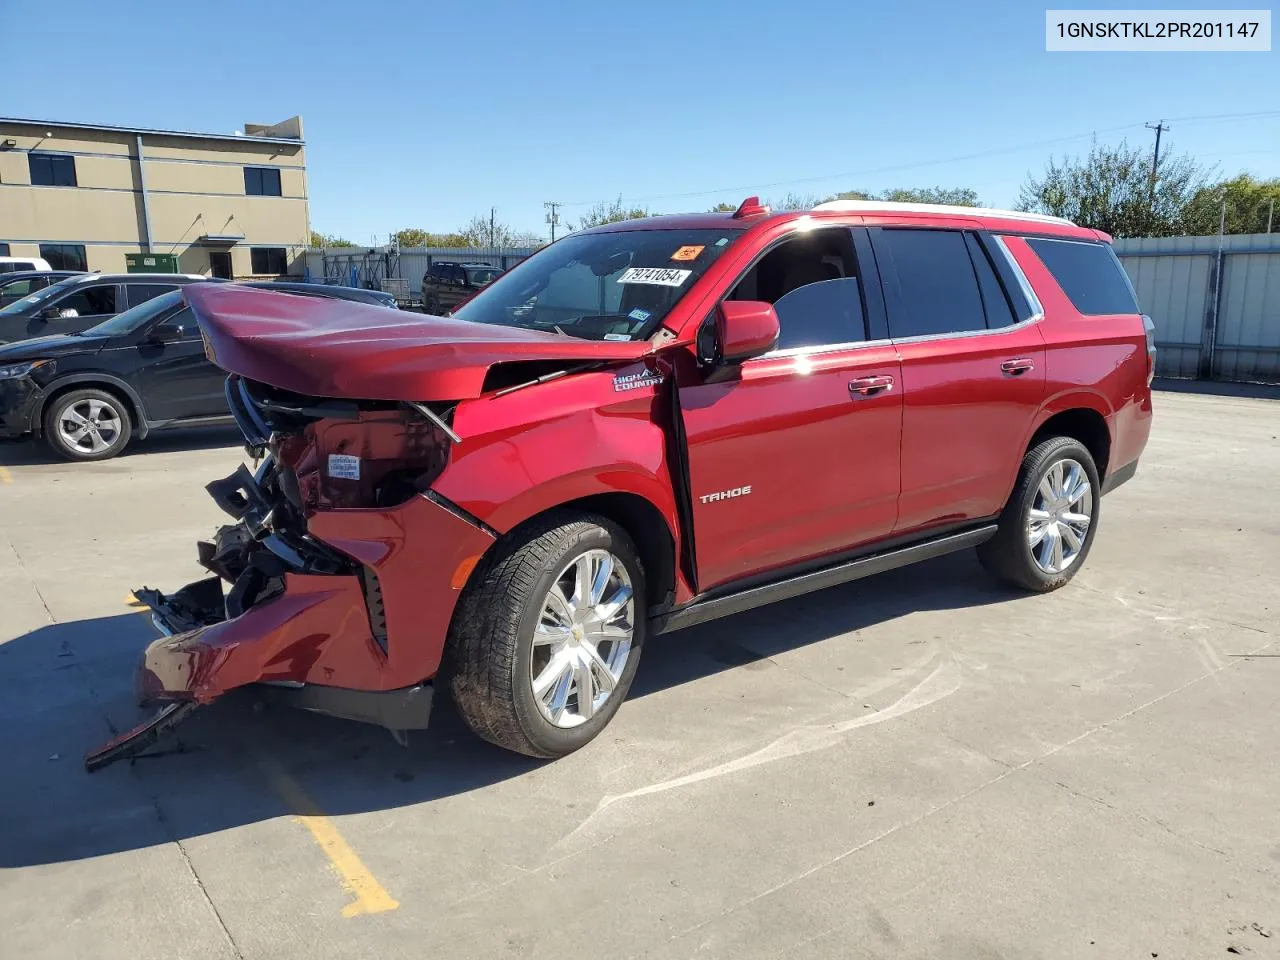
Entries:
{"x":425,"y":114}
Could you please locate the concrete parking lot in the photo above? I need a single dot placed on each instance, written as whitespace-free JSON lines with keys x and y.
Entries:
{"x":918,"y":765}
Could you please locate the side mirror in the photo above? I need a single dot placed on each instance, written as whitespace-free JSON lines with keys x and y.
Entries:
{"x":166,"y":334}
{"x":745,"y":329}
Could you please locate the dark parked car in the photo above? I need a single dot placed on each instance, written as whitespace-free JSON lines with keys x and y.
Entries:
{"x":23,"y":283}
{"x":145,"y":369}
{"x":83,"y":301}
{"x":447,"y":283}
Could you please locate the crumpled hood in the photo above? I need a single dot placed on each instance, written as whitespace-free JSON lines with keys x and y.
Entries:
{"x":47,"y":348}
{"x":336,"y":348}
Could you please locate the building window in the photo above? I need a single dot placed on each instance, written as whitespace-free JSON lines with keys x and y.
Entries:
{"x":65,"y":256}
{"x":4,"y":249}
{"x":269,"y":260}
{"x":52,"y":169}
{"x":261,"y":182}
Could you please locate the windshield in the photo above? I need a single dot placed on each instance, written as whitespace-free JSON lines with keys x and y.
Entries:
{"x":135,"y":317}
{"x":600,"y":286}
{"x":40,"y":296}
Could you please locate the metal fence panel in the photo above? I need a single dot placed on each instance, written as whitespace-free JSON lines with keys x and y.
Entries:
{"x":1227,"y":327}
{"x":1248,"y":342}
{"x":408,"y":263}
{"x":1173,"y":291}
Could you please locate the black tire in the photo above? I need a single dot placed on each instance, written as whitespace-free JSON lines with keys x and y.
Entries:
{"x":431,"y":305}
{"x":1008,"y":555}
{"x":117,"y":414}
{"x":491,"y":639}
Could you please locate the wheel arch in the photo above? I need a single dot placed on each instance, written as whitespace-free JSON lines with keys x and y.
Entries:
{"x":1086,"y":424}
{"x":644,"y":522}
{"x":81,"y":381}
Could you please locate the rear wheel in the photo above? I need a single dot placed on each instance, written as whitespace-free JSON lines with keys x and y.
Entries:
{"x":545,"y":642}
{"x":87,"y":424}
{"x":1048,"y":525}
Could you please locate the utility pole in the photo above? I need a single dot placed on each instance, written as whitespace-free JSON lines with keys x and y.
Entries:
{"x":1159,"y":128}
{"x":553,"y":217}
{"x":1271,"y":212}
{"x":493,"y":214}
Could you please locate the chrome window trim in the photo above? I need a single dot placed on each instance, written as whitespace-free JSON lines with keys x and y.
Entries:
{"x":818,"y":348}
{"x":1037,"y":308}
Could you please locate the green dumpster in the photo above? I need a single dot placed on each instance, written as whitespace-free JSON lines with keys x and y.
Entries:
{"x":151,"y":262}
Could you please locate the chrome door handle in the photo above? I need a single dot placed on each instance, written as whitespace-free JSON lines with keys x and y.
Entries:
{"x":870,"y":386}
{"x":1017,"y":367}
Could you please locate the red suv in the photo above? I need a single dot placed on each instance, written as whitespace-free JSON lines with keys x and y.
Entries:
{"x":642,"y":427}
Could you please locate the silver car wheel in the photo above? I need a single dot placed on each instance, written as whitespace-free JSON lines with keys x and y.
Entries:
{"x":582,"y":639}
{"x":89,"y":426}
{"x":1060,"y":516}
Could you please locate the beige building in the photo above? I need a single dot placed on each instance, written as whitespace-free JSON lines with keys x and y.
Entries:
{"x":84,"y":195}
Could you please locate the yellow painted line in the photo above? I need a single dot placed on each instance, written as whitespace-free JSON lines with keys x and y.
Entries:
{"x":5,"y":475}
{"x":370,"y":896}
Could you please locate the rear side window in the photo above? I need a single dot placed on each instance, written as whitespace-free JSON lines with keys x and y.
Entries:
{"x":1089,"y":274}
{"x":142,"y":292}
{"x":994,"y":299}
{"x":937,"y":290}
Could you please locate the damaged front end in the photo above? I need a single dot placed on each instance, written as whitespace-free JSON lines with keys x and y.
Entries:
{"x":333,"y":587}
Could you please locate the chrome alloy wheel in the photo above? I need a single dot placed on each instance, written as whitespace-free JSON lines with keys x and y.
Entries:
{"x":89,"y":426}
{"x":1058,"y":523}
{"x":582,"y":639}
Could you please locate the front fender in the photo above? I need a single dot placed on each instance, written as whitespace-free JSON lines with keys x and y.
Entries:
{"x":529,"y":451}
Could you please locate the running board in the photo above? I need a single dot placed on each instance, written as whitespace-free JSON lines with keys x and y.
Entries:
{"x":700,"y":611}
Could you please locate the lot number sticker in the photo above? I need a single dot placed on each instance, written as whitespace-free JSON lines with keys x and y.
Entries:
{"x":687,"y":253}
{"x":658,"y":276}
{"x":343,"y":466}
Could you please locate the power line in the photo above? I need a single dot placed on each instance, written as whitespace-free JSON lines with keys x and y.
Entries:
{"x":1204,"y":118}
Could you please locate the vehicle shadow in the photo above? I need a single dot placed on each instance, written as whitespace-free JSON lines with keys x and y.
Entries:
{"x":1218,"y":388}
{"x":64,"y":688}
{"x":15,"y":453}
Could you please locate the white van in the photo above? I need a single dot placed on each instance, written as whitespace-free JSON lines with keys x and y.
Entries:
{"x":13,"y":264}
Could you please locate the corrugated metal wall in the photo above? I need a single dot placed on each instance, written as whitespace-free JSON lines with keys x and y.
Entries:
{"x":1216,"y":307}
{"x":410,"y":263}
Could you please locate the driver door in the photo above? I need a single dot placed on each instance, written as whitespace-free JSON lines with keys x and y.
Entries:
{"x":797,"y":454}
{"x":174,"y":377}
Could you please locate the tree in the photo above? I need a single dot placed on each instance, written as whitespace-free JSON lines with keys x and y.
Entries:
{"x":482,"y":231}
{"x":723,"y":207}
{"x":1249,"y":206}
{"x":954,"y":196}
{"x":329,"y":240}
{"x":412,"y":237}
{"x":1112,"y":190}
{"x":613,"y":212}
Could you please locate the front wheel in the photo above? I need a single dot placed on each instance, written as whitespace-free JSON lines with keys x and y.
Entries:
{"x":545,"y":642}
{"x":87,"y":424}
{"x":1048,"y":525}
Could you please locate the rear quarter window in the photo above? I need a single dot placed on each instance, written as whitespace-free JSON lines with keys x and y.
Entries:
{"x":1090,"y":275}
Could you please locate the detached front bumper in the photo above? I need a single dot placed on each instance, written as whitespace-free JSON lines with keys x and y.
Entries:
{"x":348,"y":618}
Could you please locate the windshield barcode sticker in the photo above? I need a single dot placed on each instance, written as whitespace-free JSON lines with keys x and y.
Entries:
{"x":343,"y":466}
{"x":658,"y":276}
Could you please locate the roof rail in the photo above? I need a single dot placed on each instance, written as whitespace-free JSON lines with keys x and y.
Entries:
{"x":888,"y":206}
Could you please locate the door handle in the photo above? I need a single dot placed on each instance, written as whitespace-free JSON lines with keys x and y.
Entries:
{"x":1017,"y":367}
{"x":870,"y":386}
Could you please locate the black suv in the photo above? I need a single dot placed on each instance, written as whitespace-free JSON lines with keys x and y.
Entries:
{"x":144,"y":369}
{"x":447,"y":283}
{"x":83,"y":301}
{"x":22,"y":283}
